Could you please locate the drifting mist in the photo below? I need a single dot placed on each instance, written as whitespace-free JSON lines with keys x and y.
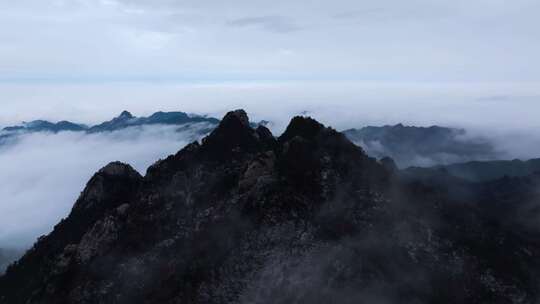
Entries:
{"x":42,"y":174}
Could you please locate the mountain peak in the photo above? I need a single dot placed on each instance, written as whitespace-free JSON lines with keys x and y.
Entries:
{"x":306,"y":127}
{"x":233,"y":136}
{"x":111,"y":184}
{"x":118,"y":169}
{"x":237,"y":115}
{"x":125,"y":115}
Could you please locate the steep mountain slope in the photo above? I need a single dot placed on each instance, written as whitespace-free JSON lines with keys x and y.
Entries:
{"x":8,"y":256}
{"x":418,"y":146}
{"x":308,"y":217}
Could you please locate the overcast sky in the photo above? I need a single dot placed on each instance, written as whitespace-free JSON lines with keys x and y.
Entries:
{"x":349,"y":63}
{"x":421,"y":61}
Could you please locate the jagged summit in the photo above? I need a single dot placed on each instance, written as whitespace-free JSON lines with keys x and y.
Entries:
{"x":306,"y":127}
{"x":309,"y":218}
{"x":237,"y":116}
{"x":116,"y":174}
{"x":234,"y":137}
{"x":118,"y":169}
{"x":125,"y":115}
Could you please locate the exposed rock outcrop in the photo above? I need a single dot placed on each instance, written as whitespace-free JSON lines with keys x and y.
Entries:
{"x":244,"y":217}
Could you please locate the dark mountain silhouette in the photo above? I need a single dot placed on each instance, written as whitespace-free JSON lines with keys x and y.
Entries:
{"x":124,"y":120}
{"x":11,"y":133}
{"x":243,"y":217}
{"x":46,"y":126}
{"x":8,"y":256}
{"x":419,"y":146}
{"x":477,"y":171}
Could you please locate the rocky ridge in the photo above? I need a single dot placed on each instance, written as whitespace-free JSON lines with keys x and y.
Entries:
{"x":308,"y":217}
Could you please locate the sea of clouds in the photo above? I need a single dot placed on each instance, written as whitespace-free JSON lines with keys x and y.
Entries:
{"x":43,"y":173}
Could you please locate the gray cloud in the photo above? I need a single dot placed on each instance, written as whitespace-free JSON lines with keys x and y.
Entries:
{"x":417,"y":40}
{"x":278,"y":24}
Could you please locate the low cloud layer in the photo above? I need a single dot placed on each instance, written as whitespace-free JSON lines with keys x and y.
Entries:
{"x":43,"y":174}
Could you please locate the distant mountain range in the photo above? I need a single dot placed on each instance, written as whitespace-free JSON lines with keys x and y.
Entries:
{"x":122,"y":121}
{"x":435,"y":152}
{"x":422,"y":146}
{"x":125,"y":120}
{"x":423,"y":150}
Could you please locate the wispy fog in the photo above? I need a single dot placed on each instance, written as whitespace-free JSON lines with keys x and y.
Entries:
{"x":43,"y":174}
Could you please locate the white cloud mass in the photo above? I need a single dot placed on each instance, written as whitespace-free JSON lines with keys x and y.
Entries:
{"x":43,"y":174}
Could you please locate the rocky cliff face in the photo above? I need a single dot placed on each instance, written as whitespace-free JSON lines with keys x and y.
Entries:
{"x":244,"y":217}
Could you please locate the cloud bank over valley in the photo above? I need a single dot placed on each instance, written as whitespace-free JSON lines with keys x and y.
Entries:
{"x":43,"y":173}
